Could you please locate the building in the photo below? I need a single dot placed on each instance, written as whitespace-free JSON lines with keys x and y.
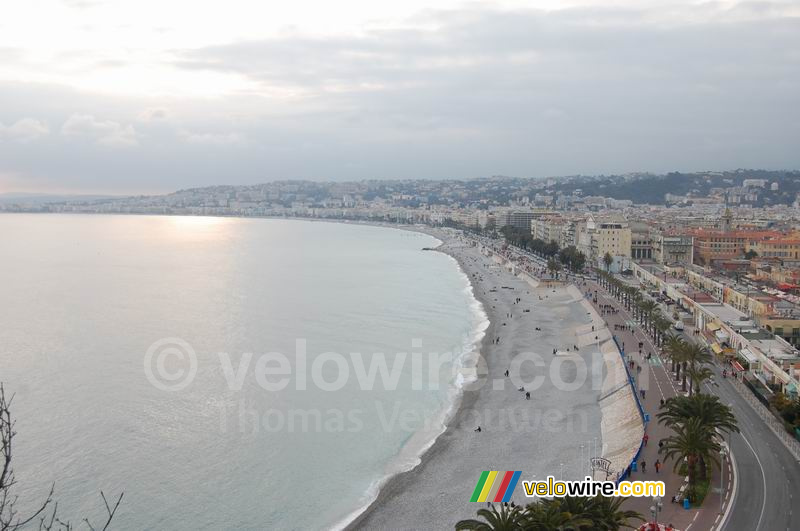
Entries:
{"x":671,"y":250}
{"x":783,"y":248}
{"x":520,"y":219}
{"x":714,"y":245}
{"x":548,"y":228}
{"x":595,"y":239}
{"x":612,"y":237}
{"x":641,"y":241}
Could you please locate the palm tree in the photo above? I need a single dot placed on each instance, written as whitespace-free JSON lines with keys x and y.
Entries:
{"x":607,"y":513}
{"x":647,"y":307}
{"x":553,"y":266}
{"x":708,"y":408}
{"x":662,"y":326}
{"x":550,"y":515}
{"x":570,"y":513}
{"x":629,"y":293}
{"x":674,"y":346}
{"x":508,"y":518}
{"x":697,"y":375}
{"x":694,"y":356}
{"x":608,"y":260}
{"x":693,"y":442}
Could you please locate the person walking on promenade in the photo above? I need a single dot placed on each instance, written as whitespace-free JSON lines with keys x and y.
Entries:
{"x":644,"y":466}
{"x":658,"y":466}
{"x":645,"y":439}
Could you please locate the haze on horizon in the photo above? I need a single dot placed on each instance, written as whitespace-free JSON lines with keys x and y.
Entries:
{"x":147,"y":96}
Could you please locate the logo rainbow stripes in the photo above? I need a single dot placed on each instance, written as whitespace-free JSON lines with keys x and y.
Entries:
{"x":495,"y":486}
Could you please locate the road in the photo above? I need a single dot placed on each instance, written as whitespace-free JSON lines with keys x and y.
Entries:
{"x":768,"y":474}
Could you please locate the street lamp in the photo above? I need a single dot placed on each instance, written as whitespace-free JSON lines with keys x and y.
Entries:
{"x":655,"y":509}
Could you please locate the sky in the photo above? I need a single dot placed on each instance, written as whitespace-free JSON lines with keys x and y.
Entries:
{"x":151,"y":96}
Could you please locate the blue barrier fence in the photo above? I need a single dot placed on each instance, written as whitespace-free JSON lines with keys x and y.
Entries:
{"x":643,"y":415}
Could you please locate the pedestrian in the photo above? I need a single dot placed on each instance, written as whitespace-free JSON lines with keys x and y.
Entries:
{"x":644,"y":466}
{"x":658,"y":466}
{"x":645,"y":439}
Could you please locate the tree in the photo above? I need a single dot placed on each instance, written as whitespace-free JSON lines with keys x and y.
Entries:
{"x":674,"y":347}
{"x":46,"y":515}
{"x":608,"y":260}
{"x":647,"y":308}
{"x":707,"y":408}
{"x":508,"y":518}
{"x":662,"y":326}
{"x":698,"y":375}
{"x":694,"y":443}
{"x":553,"y":267}
{"x":569,"y":513}
{"x":694,"y":356}
{"x":572,"y":257}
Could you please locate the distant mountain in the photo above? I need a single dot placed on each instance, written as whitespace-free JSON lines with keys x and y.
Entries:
{"x":652,"y":189}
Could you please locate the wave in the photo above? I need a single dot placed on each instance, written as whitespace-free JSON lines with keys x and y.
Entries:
{"x":464,"y":372}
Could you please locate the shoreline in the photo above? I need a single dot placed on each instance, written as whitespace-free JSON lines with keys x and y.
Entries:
{"x":450,"y":411}
{"x":440,"y":467}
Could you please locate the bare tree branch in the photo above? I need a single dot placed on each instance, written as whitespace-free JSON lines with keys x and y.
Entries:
{"x":9,"y":516}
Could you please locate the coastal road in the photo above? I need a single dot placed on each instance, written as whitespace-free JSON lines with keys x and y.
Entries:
{"x":768,"y":474}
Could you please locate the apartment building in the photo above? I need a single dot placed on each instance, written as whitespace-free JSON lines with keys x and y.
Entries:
{"x":783,"y":248}
{"x":714,"y":245}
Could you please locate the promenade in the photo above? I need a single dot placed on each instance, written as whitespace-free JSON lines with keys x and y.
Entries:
{"x":659,"y":384}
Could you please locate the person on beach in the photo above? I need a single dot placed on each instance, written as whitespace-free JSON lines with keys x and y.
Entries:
{"x":527,"y":395}
{"x":478,"y":429}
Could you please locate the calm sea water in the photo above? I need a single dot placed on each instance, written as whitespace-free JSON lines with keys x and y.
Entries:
{"x":83,"y":298}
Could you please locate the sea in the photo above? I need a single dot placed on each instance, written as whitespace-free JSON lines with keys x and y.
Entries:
{"x":224,"y":373}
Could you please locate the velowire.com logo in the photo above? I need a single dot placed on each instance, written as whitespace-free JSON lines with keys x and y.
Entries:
{"x":495,"y":486}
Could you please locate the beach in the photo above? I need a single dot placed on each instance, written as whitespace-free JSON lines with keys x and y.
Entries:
{"x":552,"y":433}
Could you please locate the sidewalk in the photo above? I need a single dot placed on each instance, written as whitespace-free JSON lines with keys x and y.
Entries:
{"x":659,"y":384}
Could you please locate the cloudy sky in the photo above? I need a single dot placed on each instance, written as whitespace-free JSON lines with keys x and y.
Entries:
{"x":145,"y":96}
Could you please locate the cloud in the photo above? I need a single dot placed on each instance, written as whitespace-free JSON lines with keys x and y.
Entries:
{"x":458,"y":93}
{"x":499,"y":71}
{"x":82,"y":4}
{"x":104,"y":132}
{"x":24,"y":130}
{"x":212,"y":139}
{"x":153,"y":114}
